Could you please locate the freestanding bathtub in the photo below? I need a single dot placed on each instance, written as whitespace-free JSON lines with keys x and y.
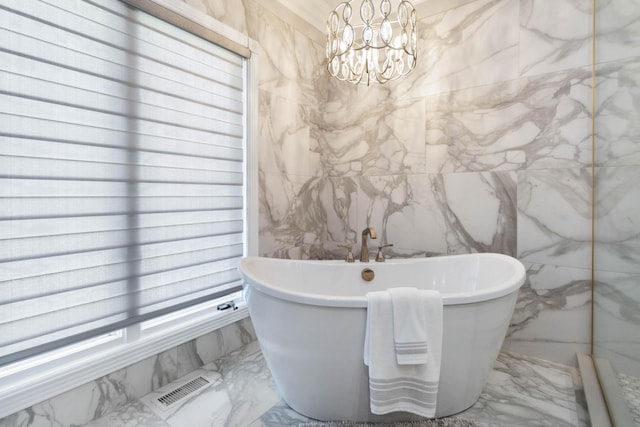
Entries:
{"x":310,"y":319}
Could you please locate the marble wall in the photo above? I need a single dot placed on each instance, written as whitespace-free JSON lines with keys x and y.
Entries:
{"x":104,"y":395}
{"x":486,"y":146}
{"x":617,"y":215}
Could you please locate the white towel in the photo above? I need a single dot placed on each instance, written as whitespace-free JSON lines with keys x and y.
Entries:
{"x":410,"y":324}
{"x":394,"y":387}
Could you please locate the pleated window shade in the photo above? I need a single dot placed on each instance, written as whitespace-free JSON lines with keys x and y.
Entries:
{"x":121,"y":171}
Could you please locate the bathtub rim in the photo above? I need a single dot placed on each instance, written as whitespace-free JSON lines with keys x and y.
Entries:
{"x":512,"y":284}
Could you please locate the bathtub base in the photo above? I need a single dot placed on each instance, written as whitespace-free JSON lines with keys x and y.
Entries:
{"x":315,"y":354}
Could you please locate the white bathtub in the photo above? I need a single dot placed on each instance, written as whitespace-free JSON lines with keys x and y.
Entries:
{"x":310,"y":318}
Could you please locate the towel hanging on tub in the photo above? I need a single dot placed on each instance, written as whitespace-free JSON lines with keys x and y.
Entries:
{"x":403,"y":346}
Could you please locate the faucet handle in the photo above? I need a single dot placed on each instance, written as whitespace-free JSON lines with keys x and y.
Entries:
{"x":349,"y":253}
{"x":380,"y":256}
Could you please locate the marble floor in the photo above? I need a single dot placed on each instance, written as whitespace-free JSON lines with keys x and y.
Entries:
{"x":521,"y":391}
{"x":631,"y":389}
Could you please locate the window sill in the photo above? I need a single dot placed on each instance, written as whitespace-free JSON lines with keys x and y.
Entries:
{"x":26,"y":387}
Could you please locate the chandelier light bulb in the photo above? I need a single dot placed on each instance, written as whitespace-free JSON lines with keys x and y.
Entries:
{"x":374,"y":44}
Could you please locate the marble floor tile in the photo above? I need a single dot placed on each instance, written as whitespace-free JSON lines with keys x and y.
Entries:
{"x":280,"y":415}
{"x":134,"y":414}
{"x":631,"y":389}
{"x":525,"y":391}
{"x":521,"y":391}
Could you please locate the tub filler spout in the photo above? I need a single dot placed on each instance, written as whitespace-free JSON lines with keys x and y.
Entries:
{"x":364,"y":250}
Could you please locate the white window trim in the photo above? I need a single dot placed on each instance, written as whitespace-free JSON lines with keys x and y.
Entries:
{"x":23,"y":388}
{"x":27,"y":383}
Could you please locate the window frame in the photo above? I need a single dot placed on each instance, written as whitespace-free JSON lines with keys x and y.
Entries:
{"x":36,"y":379}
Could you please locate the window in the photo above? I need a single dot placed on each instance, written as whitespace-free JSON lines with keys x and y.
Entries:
{"x":121,"y":171}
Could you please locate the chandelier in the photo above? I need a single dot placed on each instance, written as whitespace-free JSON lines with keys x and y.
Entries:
{"x":371,"y":45}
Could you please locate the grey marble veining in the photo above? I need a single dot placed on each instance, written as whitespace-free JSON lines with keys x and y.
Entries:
{"x":559,"y":37}
{"x":469,"y":46}
{"x":617,"y":234}
{"x":291,"y":150}
{"x":118,"y":389}
{"x":521,"y":391}
{"x":384,"y":136}
{"x":617,"y":30}
{"x":552,"y":296}
{"x":617,"y":114}
{"x":554,"y":217}
{"x":631,"y":389}
{"x":536,"y":122}
{"x":436,"y":214}
{"x":617,"y":195}
{"x":133,"y":414}
{"x":290,"y":63}
{"x":616,"y":315}
{"x":235,"y":15}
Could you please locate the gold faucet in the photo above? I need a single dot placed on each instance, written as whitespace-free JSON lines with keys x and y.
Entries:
{"x":364,"y":250}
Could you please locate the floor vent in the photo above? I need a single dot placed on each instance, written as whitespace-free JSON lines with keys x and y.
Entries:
{"x":183,"y":391}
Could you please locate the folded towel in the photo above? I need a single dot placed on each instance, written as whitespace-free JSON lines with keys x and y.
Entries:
{"x":394,"y":387}
{"x":410,"y":322}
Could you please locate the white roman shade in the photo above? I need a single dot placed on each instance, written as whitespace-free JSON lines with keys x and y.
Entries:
{"x":121,"y":170}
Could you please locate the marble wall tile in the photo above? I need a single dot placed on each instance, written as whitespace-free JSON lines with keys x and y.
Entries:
{"x":554,"y":37}
{"x":617,"y":231}
{"x":368,"y":132}
{"x":285,"y":141}
{"x":237,"y":335}
{"x":210,"y":347}
{"x":554,"y":217}
{"x":552,"y":296}
{"x":339,"y":199}
{"x":616,"y":319}
{"x":617,"y":30}
{"x":187,"y":358}
{"x":481,"y":211}
{"x":234,"y":14}
{"x":472,"y":45}
{"x":530,"y":123}
{"x":397,"y":206}
{"x":165,"y":369}
{"x":310,"y":219}
{"x":441,"y":214}
{"x":290,"y":63}
{"x":291,"y":213}
{"x":381,"y":198}
{"x":617,"y":117}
